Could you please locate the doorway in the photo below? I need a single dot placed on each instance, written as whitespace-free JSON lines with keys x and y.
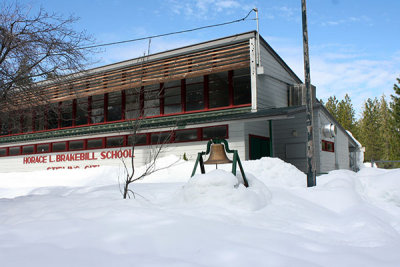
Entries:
{"x":259,"y":147}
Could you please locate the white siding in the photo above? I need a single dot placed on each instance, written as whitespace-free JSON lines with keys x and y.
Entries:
{"x":235,"y":140}
{"x":273,"y":84}
{"x":289,"y":138}
{"x":341,"y":154}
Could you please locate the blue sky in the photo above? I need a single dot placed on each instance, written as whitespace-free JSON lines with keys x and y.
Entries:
{"x":354,"y":44}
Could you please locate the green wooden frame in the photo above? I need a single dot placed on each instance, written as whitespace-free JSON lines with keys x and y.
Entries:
{"x":235,"y":161}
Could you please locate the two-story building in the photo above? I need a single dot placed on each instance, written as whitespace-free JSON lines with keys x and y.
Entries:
{"x":229,"y":88}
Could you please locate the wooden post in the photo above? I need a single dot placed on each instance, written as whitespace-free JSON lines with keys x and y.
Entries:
{"x":311,"y":181}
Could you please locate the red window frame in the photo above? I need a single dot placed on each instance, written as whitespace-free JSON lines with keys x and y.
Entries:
{"x":39,"y":152}
{"x":125,"y":141}
{"x":206,"y":139}
{"x":6,"y":154}
{"x":123,"y":106}
{"x":22,"y":150}
{"x":328,"y":146}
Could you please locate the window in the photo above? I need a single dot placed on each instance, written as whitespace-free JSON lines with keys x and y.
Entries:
{"x":218,"y":89}
{"x":4,"y":125}
{"x":117,"y":141}
{"x":95,"y":143}
{"x":14,"y":124}
{"x":114,"y":106}
{"x":161,"y":138}
{"x":66,"y":113}
{"x":172,"y":97}
{"x":97,"y":109}
{"x":152,"y":100}
{"x":215,"y":132}
{"x":13,"y":151}
{"x":43,"y":148}
{"x":132,"y":106}
{"x":40,"y":118}
{"x":141,"y":139}
{"x":76,"y":145}
{"x":27,"y":121}
{"x":194,"y":93}
{"x":81,"y":111}
{"x":28,"y":149}
{"x":3,"y":152}
{"x":52,"y":116}
{"x":328,"y":146}
{"x":241,"y":87}
{"x":186,"y":135}
{"x":59,"y":147}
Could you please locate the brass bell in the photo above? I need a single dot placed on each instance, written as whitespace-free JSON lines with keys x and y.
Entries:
{"x":217,"y":155}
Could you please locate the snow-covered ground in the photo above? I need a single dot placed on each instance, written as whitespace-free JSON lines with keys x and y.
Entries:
{"x":78,"y":218}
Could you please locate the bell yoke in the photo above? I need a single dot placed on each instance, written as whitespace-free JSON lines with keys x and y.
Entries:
{"x":217,"y":149}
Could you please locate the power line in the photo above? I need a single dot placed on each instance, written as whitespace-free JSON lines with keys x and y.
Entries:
{"x":170,"y":33}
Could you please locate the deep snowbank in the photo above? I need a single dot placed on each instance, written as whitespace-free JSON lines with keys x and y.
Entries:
{"x":78,"y":218}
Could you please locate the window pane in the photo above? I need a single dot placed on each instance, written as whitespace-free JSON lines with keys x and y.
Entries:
{"x":172,"y":97}
{"x":66,"y":113}
{"x":160,"y":138}
{"x":4,"y":125}
{"x":27,"y":121}
{"x":218,"y":89}
{"x":94,"y":143}
{"x":52,"y":116}
{"x":40,"y":118}
{"x":57,"y":147}
{"x":194,"y":93}
{"x":114,"y":106}
{"x":3,"y":152}
{"x":14,"y":151}
{"x":43,"y":148}
{"x":15,"y":124}
{"x":132,"y":107}
{"x":152,"y":100}
{"x":81,"y":111}
{"x":215,"y":132}
{"x":76,"y":145}
{"x":117,"y":141}
{"x":97,"y":109}
{"x":141,"y":139}
{"x":186,"y":135}
{"x":28,"y":149}
{"x":241,"y":87}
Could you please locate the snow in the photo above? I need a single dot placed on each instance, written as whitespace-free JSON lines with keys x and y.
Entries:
{"x":78,"y":217}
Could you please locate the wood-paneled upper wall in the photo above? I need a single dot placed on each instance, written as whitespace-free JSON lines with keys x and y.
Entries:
{"x":228,"y":57}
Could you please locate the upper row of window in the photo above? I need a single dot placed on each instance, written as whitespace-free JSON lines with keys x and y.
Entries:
{"x":217,"y":90}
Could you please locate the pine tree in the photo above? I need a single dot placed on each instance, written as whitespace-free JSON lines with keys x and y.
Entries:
{"x":386,"y":129}
{"x":395,"y":112}
{"x":370,"y":127}
{"x":346,"y":115}
{"x":331,"y":106}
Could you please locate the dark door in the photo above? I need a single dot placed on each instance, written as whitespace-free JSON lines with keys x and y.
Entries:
{"x":259,"y":147}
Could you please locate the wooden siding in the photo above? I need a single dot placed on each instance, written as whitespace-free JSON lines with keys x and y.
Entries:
{"x":227,"y":57}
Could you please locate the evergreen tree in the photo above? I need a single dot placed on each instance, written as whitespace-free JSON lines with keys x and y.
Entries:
{"x":346,"y":115}
{"x":395,"y":112}
{"x":331,"y":106}
{"x":386,"y":129}
{"x":370,"y":127}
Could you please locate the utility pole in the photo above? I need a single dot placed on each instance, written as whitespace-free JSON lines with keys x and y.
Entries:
{"x":311,"y":181}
